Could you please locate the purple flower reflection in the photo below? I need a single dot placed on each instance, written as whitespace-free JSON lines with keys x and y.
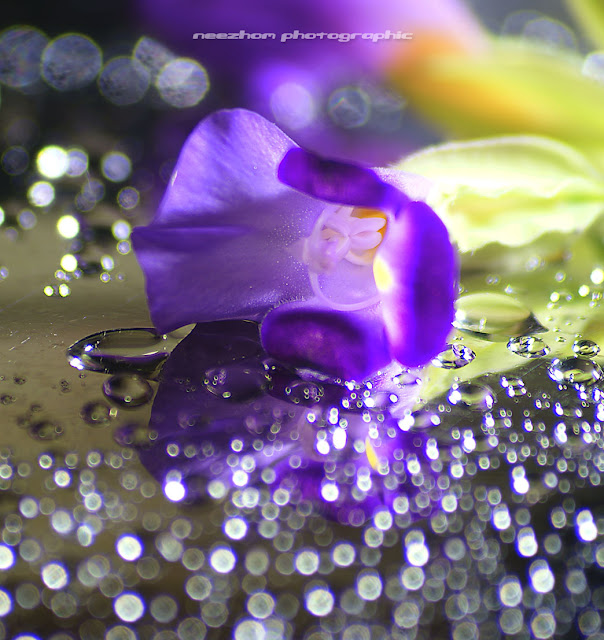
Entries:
{"x":227,"y":417}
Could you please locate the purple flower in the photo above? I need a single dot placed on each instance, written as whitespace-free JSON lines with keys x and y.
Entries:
{"x":251,"y":222}
{"x":227,"y":417}
{"x":294,"y":81}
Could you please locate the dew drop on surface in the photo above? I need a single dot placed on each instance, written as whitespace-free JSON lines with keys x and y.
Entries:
{"x":474,"y":396}
{"x":127,"y":390}
{"x":97,"y":414}
{"x":45,"y":430}
{"x":454,"y":356}
{"x":577,"y":371}
{"x":528,"y":347}
{"x":494,"y":317}
{"x":239,"y":382}
{"x":140,"y":351}
{"x":304,"y":393}
{"x":586,"y":348}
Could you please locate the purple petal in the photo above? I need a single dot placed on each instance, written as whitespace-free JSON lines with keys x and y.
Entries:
{"x":339,"y":182}
{"x":221,"y":244}
{"x":201,"y":275}
{"x":228,"y":161}
{"x":348,"y":345}
{"x":416,"y":273}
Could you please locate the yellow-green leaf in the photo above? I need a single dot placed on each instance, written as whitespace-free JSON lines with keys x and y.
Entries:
{"x":509,"y":189}
{"x":513,"y":87}
{"x":590,"y":16}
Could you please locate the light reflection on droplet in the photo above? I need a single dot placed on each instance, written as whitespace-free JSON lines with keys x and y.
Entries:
{"x":68,"y":226}
{"x":129,"y":547}
{"x":70,"y":62}
{"x":20,"y":52}
{"x":41,"y":194}
{"x":124,"y":81}
{"x":129,"y":607}
{"x":349,"y":107}
{"x":319,"y":601}
{"x":182,"y":83}
{"x":52,"y":162}
{"x":293,"y":105}
{"x":116,"y":166}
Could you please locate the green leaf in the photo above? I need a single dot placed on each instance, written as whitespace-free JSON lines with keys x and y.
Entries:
{"x":590,"y":16}
{"x":509,"y":189}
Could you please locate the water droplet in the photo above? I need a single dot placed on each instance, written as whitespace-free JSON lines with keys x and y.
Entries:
{"x":97,"y":414}
{"x":513,"y":386}
{"x":122,"y":350}
{"x":45,"y":430}
{"x":241,"y":381}
{"x":528,"y":347}
{"x":454,"y":356}
{"x":127,"y":390}
{"x":586,"y":348}
{"x":472,"y":395}
{"x":494,"y":317}
{"x":304,"y":393}
{"x":577,"y":371}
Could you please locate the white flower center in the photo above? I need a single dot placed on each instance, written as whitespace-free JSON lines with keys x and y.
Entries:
{"x":342,"y":233}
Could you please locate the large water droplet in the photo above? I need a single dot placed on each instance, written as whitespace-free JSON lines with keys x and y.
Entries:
{"x":586,"y":348}
{"x":528,"y":347}
{"x":474,"y":396}
{"x":577,"y":371}
{"x":454,"y":356}
{"x":123,"y":350}
{"x":240,"y":381}
{"x":127,"y":390}
{"x":494,"y":317}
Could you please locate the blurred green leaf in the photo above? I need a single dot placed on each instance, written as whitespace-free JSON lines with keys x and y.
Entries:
{"x":509,"y":189}
{"x":590,"y":16}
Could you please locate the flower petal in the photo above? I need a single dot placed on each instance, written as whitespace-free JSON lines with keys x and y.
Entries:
{"x":416,"y":273}
{"x":348,"y":345}
{"x":200,"y":275}
{"x":221,"y":244}
{"x":333,"y":181}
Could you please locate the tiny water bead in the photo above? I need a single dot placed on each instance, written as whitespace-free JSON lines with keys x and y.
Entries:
{"x":495,"y":317}
{"x":454,"y":356}
{"x":576,"y":371}
{"x":528,"y":347}
{"x":127,"y":390}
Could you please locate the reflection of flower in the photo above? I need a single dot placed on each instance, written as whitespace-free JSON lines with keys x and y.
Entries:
{"x":226,"y":416}
{"x":232,"y":240}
